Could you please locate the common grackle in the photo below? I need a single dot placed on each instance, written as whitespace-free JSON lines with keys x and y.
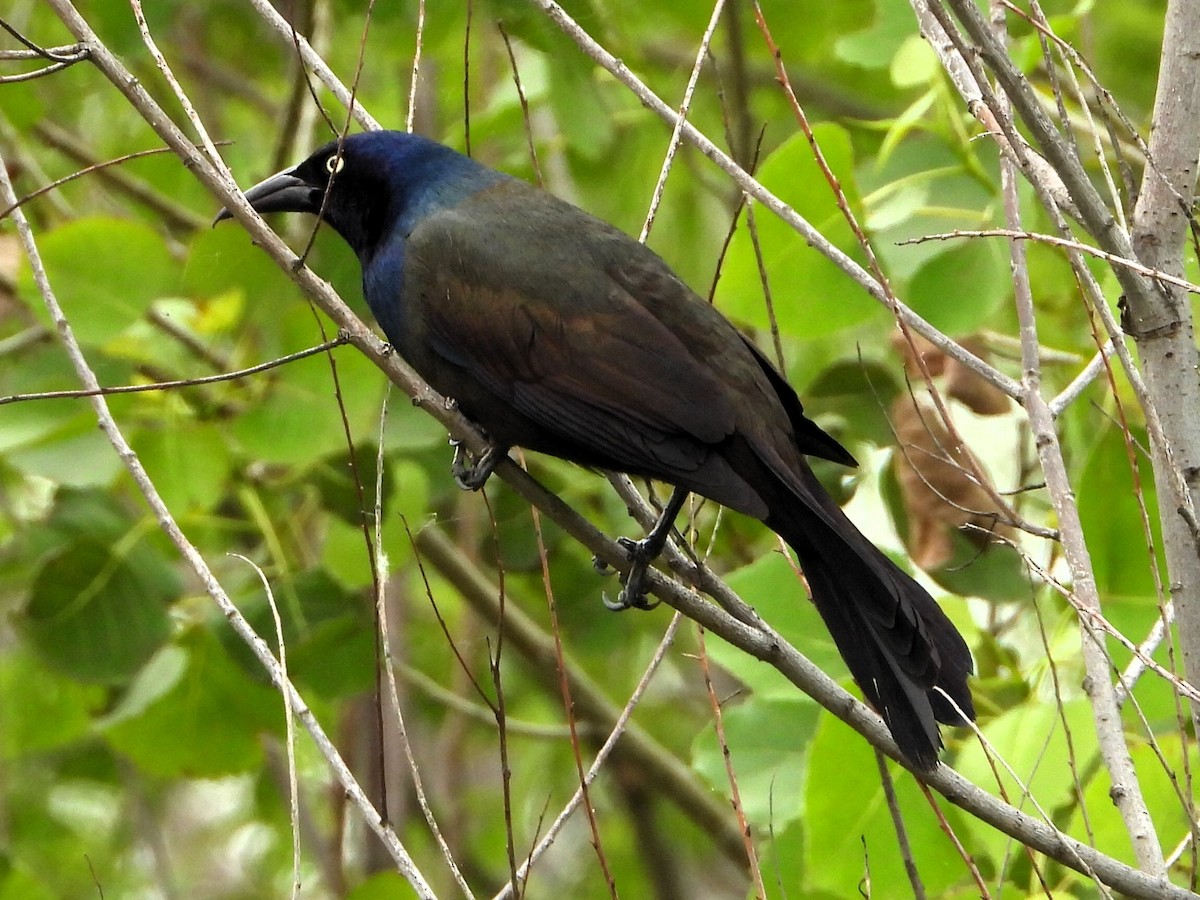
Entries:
{"x":556,"y":332}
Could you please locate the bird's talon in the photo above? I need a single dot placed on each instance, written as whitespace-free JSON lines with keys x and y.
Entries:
{"x":634,"y":598}
{"x":627,"y":599}
{"x":473,"y":475}
{"x":634,"y":587}
{"x":617,"y":605}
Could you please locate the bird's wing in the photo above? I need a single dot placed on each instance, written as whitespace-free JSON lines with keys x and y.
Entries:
{"x":572,"y":347}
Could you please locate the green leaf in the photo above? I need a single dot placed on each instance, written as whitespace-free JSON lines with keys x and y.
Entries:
{"x":958,"y":291}
{"x":768,"y":742}
{"x":22,"y":107}
{"x":223,"y":260}
{"x":336,"y":658}
{"x":157,"y":678}
{"x":344,"y":552}
{"x":49,"y":438}
{"x":56,"y":455}
{"x":774,"y":589}
{"x":21,"y":884}
{"x":811,"y":296}
{"x":187,"y":461}
{"x":858,"y":393}
{"x":574,"y":98}
{"x":915,"y":63}
{"x":1032,"y":741}
{"x":328,"y":629}
{"x":105,"y":273}
{"x":923,"y":187}
{"x":206,"y":725}
{"x":97,"y":608}
{"x":42,"y":709}
{"x":1109,"y":511}
{"x":995,"y":571}
{"x":1159,"y":777}
{"x":409,"y":429}
{"x":381,"y":886}
{"x":97,"y":612}
{"x":854,"y":838}
{"x":349,"y":499}
{"x":875,"y":46}
{"x":299,"y":422}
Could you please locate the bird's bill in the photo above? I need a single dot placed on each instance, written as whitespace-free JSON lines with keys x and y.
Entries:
{"x":283,"y":192}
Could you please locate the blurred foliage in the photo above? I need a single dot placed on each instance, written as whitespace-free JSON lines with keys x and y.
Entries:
{"x":140,"y":742}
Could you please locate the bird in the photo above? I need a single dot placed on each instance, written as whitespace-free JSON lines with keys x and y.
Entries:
{"x":556,"y":332}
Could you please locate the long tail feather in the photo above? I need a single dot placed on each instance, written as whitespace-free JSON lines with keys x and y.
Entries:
{"x":898,"y":644}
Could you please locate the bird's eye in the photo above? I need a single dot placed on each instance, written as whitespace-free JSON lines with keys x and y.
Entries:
{"x":335,"y":164}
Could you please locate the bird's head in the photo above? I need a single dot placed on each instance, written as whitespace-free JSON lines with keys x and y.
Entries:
{"x":369,"y":185}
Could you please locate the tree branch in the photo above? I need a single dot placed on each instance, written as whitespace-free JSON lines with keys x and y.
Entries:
{"x":1163,"y":326}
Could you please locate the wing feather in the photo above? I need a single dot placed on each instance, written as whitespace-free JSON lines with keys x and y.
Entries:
{"x":600,"y":368}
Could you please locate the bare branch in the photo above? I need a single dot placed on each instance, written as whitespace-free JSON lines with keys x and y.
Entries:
{"x":1106,"y":713}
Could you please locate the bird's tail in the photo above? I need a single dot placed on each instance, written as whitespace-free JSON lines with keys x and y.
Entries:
{"x":898,"y":644}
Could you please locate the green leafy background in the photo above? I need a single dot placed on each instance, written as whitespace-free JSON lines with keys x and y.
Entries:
{"x":141,"y":745}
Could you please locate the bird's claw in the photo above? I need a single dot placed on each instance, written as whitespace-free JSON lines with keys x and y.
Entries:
{"x":472,"y":475}
{"x":635,"y":584}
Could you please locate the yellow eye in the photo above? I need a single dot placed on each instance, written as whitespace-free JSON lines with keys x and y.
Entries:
{"x":335,"y":164}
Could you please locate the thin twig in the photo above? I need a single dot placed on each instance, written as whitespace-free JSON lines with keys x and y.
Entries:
{"x":755,"y":189}
{"x":411,"y":116}
{"x":1106,"y":716}
{"x":182,"y":383}
{"x":619,"y":731}
{"x":164,"y":67}
{"x":735,"y":794}
{"x":685,"y":106}
{"x":177,"y":216}
{"x":289,"y":724}
{"x":1081,"y":381}
{"x":1112,"y":258}
{"x":902,"y":842}
{"x":569,"y":707}
{"x":1142,"y":655}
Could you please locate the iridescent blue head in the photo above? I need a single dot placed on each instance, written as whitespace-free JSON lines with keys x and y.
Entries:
{"x":371,"y":186}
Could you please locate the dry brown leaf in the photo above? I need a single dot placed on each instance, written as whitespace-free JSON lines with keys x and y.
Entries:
{"x":934,"y":470}
{"x":980,"y":396}
{"x":10,"y":264}
{"x":940,"y":493}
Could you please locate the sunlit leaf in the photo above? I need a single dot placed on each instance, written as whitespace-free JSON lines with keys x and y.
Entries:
{"x":208,"y":724}
{"x":106,"y":273}
{"x":811,"y":297}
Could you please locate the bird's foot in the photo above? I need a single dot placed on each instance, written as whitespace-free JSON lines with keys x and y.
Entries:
{"x":472,"y":474}
{"x":641,"y":554}
{"x":634,"y":584}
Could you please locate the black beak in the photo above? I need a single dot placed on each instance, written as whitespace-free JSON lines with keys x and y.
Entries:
{"x":280,"y":193}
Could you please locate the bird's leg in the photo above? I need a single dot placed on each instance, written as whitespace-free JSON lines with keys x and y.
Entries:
{"x":471,"y":476}
{"x":642,"y":553}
